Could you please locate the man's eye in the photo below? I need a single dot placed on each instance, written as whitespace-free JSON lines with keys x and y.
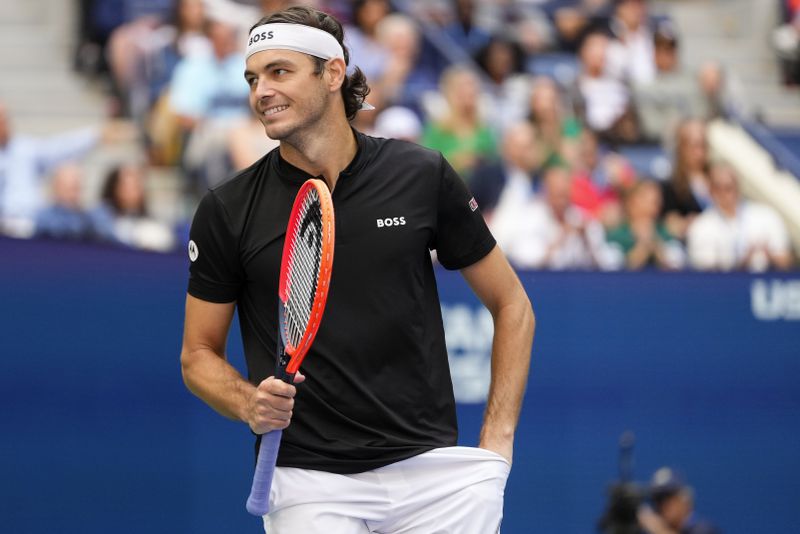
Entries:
{"x":280,"y":72}
{"x":251,"y":81}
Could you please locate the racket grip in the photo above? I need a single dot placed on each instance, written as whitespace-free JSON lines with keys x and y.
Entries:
{"x":258,"y":501}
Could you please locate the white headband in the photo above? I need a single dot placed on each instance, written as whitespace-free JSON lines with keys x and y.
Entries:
{"x":297,"y":37}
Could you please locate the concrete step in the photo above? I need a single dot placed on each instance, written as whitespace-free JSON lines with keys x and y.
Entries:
{"x":28,"y":34}
{"x":61,"y":98}
{"x":41,"y":57}
{"x":21,"y":12}
{"x":60,"y":78}
{"x":48,"y":124}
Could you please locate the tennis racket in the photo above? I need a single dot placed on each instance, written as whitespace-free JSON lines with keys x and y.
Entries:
{"x":303,"y":289}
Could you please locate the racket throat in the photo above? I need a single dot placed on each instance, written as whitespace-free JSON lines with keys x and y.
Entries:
{"x":280,"y":368}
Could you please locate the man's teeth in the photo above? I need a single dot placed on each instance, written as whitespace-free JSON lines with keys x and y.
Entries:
{"x":274,"y":110}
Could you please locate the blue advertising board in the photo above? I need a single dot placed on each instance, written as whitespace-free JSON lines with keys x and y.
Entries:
{"x":99,"y":433}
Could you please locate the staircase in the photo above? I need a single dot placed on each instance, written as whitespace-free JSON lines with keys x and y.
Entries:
{"x":37,"y":84}
{"x":44,"y":96}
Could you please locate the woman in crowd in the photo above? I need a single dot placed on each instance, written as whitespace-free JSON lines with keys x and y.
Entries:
{"x":122,"y":216}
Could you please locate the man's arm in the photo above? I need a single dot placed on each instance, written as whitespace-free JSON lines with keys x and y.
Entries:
{"x":207,"y":373}
{"x":497,"y":286}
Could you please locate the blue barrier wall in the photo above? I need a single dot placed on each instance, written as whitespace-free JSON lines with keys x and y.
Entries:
{"x":99,"y":435}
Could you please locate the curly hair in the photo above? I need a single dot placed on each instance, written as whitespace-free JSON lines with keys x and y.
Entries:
{"x":354,"y":88}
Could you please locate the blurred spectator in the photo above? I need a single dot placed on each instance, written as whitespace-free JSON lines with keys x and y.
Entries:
{"x":558,"y":131}
{"x":672,"y":507}
{"x":100,"y":20}
{"x":129,"y":44}
{"x":599,"y":180}
{"x":242,"y":15}
{"x":604,"y":101}
{"x":641,"y":237}
{"x":461,"y":135}
{"x":676,"y":93}
{"x":24,"y":161}
{"x":209,"y":96}
{"x":398,"y":123}
{"x":180,"y":37}
{"x":549,"y":232}
{"x":65,"y":217}
{"x":630,"y":52}
{"x":506,"y":85}
{"x":463,"y":30}
{"x":673,"y":95}
{"x":405,"y":79}
{"x":786,"y":40}
{"x":686,"y":193}
{"x":734,"y":233}
{"x":572,"y":20}
{"x":515,"y":176}
{"x":123,"y":216}
{"x":531,"y":29}
{"x":718,"y":97}
{"x":366,"y":52}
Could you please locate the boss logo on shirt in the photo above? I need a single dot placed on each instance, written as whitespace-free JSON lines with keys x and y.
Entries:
{"x":391,"y":221}
{"x":260,"y":37}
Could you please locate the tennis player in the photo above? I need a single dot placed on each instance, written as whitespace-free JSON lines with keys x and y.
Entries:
{"x":372,"y":442}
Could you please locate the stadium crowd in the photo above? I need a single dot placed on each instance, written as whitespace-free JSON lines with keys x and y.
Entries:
{"x":544,"y":107}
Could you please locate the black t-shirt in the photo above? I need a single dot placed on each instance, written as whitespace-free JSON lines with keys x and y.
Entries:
{"x":378,"y":386}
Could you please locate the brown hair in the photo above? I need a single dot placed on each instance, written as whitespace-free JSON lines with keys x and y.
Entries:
{"x":354,"y":88}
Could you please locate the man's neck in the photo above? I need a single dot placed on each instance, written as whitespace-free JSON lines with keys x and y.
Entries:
{"x":326,"y":152}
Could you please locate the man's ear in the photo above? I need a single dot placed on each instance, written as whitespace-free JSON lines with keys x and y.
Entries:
{"x":336,"y":70}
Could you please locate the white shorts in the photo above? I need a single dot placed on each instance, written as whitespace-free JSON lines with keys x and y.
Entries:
{"x":452,"y":490}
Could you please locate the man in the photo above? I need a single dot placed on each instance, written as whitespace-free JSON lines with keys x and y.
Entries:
{"x":672,"y":507}
{"x":549,"y":232}
{"x":735,"y":233}
{"x":65,"y":217}
{"x":24,"y":161}
{"x":676,"y":93}
{"x":630,"y":53}
{"x":604,"y":102}
{"x":516,"y":176}
{"x":209,"y":102}
{"x":370,"y":444}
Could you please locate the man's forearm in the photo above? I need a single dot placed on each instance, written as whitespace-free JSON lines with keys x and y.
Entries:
{"x":209,"y":376}
{"x":511,"y":352}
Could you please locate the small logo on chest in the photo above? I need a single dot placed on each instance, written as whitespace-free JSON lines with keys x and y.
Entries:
{"x":391,"y":221}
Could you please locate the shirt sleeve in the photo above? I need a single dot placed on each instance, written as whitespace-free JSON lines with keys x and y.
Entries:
{"x":215,"y":272}
{"x":462,"y":237}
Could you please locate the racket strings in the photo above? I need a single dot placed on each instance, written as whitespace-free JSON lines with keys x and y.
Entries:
{"x":304,"y":265}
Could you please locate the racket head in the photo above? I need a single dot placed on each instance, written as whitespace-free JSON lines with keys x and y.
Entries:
{"x":305,"y":272}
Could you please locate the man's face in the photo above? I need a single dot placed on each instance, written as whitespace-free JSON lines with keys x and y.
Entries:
{"x":286,"y":94}
{"x":724,"y":189}
{"x":676,"y":510}
{"x":558,"y":187}
{"x":67,"y":185}
{"x":593,"y":54}
{"x":632,"y":12}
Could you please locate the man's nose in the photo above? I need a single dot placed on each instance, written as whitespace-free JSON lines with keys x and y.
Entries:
{"x":264,"y":88}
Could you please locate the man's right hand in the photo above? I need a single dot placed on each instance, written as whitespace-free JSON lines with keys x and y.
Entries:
{"x":271,"y":404}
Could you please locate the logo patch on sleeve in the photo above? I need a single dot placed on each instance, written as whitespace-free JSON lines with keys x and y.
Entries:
{"x":193,"y":251}
{"x":473,"y":204}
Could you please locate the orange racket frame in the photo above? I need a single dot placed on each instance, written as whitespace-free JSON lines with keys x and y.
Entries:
{"x":297,"y":353}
